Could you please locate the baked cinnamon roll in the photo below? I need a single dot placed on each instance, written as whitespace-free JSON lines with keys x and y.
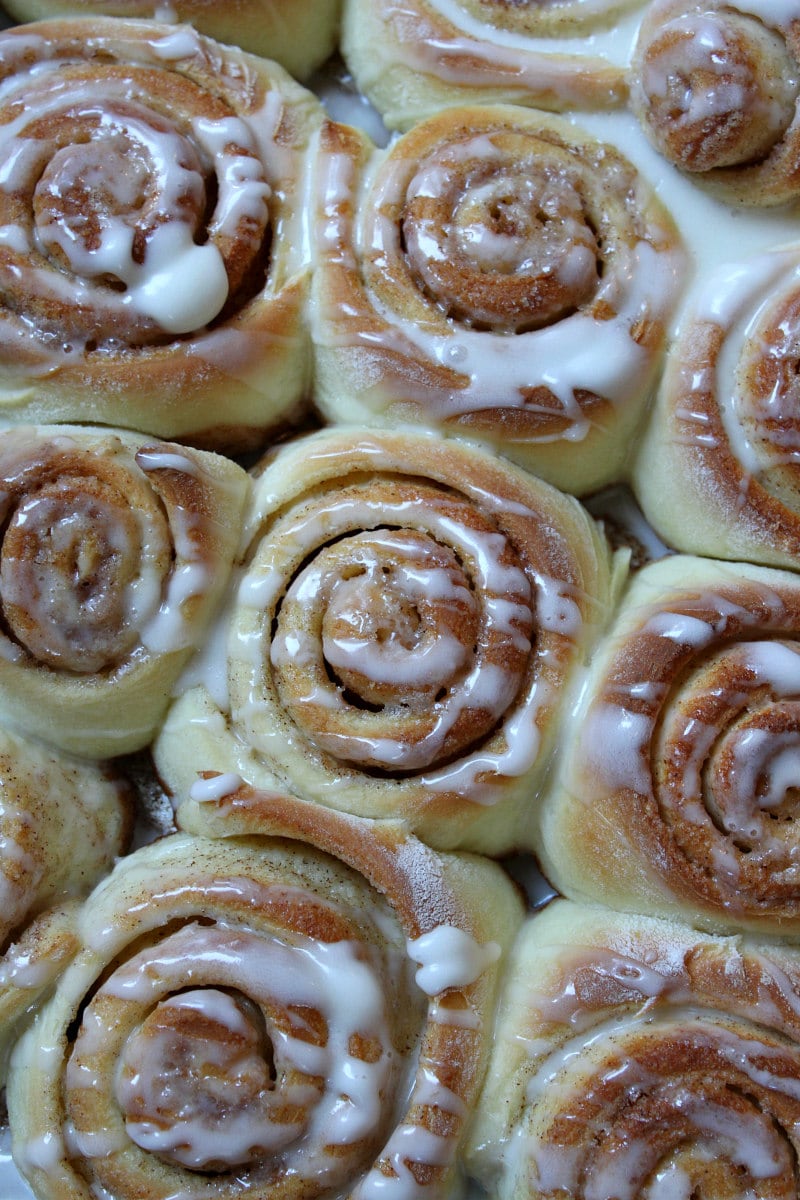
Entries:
{"x":715,"y":86}
{"x":401,"y":639}
{"x":114,"y":553}
{"x":718,"y":466}
{"x":498,"y":274}
{"x":677,"y":788}
{"x":152,"y":270}
{"x":301,"y":1013}
{"x":636,"y":1058}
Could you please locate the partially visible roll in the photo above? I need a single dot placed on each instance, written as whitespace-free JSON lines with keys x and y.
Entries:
{"x":153,"y":249}
{"x":299,"y":34}
{"x":63,"y":823}
{"x":677,"y":789}
{"x":717,"y":470}
{"x":402,"y":637}
{"x":715,"y":85}
{"x":115,"y":552}
{"x":412,"y":57}
{"x":638,"y":1058}
{"x":498,"y":274}
{"x":304,"y":1013}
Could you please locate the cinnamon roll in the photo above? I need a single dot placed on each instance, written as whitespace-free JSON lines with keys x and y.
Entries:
{"x":63,"y":822}
{"x":495,"y":273}
{"x":718,"y":466}
{"x":152,"y":264}
{"x":305,"y":1013}
{"x":401,"y":639}
{"x":677,"y":789}
{"x":639,"y":1058}
{"x":412,"y":57}
{"x":298,"y":34}
{"x":114,"y":553}
{"x":715,"y":86}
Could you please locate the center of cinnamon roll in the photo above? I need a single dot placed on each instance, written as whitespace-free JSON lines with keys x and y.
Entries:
{"x":68,"y":574}
{"x":754,"y":781}
{"x":87,"y":191}
{"x":399,"y":622}
{"x":122,"y":201}
{"x":501,"y":240}
{"x":195,"y":1083}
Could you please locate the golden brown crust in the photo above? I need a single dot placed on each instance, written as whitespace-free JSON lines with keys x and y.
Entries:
{"x":498,"y":274}
{"x":676,"y":799}
{"x":409,"y":617}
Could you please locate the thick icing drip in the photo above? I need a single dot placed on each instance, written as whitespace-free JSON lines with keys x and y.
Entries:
{"x":450,"y":957}
{"x":208,"y":791}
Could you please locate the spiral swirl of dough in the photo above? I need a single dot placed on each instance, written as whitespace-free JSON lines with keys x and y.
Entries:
{"x":636,"y":1058}
{"x":412,"y":57}
{"x":402,"y":638}
{"x":113,"y":555}
{"x":717,"y":471}
{"x":495,"y":273}
{"x":299,"y":1013}
{"x":680,"y":796}
{"x":150,"y":270}
{"x":715,"y":86}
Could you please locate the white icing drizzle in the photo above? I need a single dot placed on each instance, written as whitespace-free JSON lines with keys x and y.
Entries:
{"x":746,"y":1139}
{"x":578,"y":352}
{"x":209,"y":791}
{"x":243,"y":190}
{"x":470,"y":52}
{"x":407,"y":1144}
{"x":332,"y":978}
{"x":736,"y":297}
{"x":503,"y":590}
{"x":450,"y":957}
{"x":167,"y":460}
